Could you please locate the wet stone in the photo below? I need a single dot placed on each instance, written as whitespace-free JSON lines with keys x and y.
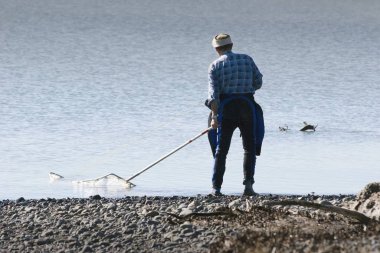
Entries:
{"x":47,"y":233}
{"x":325,"y":203}
{"x":370,"y":204}
{"x":186,"y":225}
{"x":152,"y":213}
{"x":86,"y":249}
{"x":152,"y":222}
{"x":96,"y":197}
{"x":19,"y":200}
{"x":185,"y":211}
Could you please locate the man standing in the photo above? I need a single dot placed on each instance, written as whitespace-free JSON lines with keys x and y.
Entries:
{"x":233,"y":80}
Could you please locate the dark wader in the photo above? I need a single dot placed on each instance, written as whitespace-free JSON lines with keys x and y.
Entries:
{"x":237,"y":111}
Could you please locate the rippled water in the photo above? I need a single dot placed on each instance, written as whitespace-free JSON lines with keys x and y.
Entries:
{"x":93,"y":87}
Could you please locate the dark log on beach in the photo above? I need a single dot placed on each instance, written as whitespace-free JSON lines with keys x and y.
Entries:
{"x":201,"y":214}
{"x":349,"y":213}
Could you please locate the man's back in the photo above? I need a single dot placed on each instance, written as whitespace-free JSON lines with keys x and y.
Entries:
{"x":233,"y":73}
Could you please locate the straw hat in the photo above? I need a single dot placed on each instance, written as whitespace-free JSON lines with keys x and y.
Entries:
{"x":221,"y":39}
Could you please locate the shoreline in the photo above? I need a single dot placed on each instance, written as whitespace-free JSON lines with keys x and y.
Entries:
{"x":269,"y":195}
{"x":188,"y":224}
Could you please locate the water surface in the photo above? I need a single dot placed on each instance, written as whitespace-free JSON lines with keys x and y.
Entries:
{"x":93,"y":87}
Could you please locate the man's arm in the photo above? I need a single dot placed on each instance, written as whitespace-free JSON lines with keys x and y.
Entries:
{"x":258,"y":82}
{"x":213,"y":95}
{"x":257,"y":77}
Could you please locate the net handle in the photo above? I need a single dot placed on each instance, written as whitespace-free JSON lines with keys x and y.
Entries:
{"x":169,"y":154}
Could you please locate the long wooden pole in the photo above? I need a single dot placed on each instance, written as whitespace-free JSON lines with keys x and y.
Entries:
{"x":168,"y":154}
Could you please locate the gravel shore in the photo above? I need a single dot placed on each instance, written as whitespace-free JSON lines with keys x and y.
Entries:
{"x":186,"y":224}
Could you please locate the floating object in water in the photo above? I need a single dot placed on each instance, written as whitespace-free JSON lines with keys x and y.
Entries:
{"x":283,"y":128}
{"x":54,"y":176}
{"x":308,"y":127}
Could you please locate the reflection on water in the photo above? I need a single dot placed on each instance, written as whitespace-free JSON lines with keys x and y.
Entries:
{"x":86,"y":190}
{"x":105,"y":190}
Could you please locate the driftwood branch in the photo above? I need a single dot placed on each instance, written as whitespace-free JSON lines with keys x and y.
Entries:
{"x":199,"y":214}
{"x":353,"y":214}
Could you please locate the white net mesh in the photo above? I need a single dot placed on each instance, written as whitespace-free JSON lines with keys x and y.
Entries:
{"x":104,"y":181}
{"x":107,"y":180}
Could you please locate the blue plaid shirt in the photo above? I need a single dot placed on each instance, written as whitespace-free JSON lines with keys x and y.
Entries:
{"x":232,"y":73}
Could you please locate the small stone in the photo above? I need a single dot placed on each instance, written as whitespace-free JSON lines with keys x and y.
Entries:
{"x":19,"y":200}
{"x":87,"y":248}
{"x":128,"y":240}
{"x":370,"y":204}
{"x":325,"y":203}
{"x":234,"y":203}
{"x":187,"y":231}
{"x":152,"y":222}
{"x":60,"y":222}
{"x":152,"y":214}
{"x":82,"y":230}
{"x":111,"y":206}
{"x":186,"y":225}
{"x":96,"y":197}
{"x":368,"y":190}
{"x":168,"y":235}
{"x":144,"y":212}
{"x":193,"y":205}
{"x":183,"y":205}
{"x":43,"y":241}
{"x":128,"y":231}
{"x":228,"y":243}
{"x":248,"y":205}
{"x":47,"y":233}
{"x":96,"y":221}
{"x":29,"y":209}
{"x":185,"y":211}
{"x":155,"y":245}
{"x":177,"y":239}
{"x":106,"y":244}
{"x":202,"y":245}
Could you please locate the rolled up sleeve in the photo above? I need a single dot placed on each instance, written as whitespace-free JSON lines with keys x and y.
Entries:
{"x":213,"y":86}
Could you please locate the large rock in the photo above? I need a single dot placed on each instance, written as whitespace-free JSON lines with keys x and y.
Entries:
{"x":368,"y":201}
{"x":369,"y":190}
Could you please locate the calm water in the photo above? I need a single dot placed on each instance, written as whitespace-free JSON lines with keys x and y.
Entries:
{"x":92,"y":87}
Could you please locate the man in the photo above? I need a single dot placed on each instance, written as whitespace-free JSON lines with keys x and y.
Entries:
{"x":233,"y":80}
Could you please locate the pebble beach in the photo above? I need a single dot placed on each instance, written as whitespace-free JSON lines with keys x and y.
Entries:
{"x":190,"y":224}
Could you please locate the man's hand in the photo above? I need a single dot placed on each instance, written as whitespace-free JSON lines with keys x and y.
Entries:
{"x":214,"y":118}
{"x":214,"y":123}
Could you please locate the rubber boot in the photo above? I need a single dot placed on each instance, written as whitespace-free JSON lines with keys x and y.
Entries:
{"x":216,"y":192}
{"x":248,"y":190}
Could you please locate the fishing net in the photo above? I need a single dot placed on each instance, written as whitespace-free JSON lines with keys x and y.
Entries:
{"x":110,"y":179}
{"x":113,"y":179}
{"x":107,"y":180}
